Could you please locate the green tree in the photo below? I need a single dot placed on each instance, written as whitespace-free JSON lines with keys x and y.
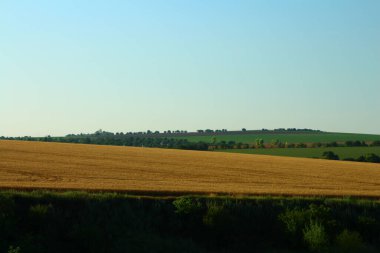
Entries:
{"x":260,"y":143}
{"x":316,"y":237}
{"x":329,"y":155}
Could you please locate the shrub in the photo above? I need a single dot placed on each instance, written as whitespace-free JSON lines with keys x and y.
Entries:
{"x":216,"y":214}
{"x":220,"y":223}
{"x":14,"y":250}
{"x":187,"y":205}
{"x":315,"y":236}
{"x":319,"y":213}
{"x":294,"y":220}
{"x":329,"y":155}
{"x":372,"y":158}
{"x":316,"y":145}
{"x":40,"y":210}
{"x":301,"y":145}
{"x":332,"y":144}
{"x":349,"y":241}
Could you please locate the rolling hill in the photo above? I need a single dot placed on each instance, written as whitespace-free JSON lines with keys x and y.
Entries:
{"x":30,"y":165}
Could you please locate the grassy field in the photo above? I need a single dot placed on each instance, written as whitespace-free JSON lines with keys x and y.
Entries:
{"x":287,"y":137}
{"x":163,"y":171}
{"x":342,"y":152}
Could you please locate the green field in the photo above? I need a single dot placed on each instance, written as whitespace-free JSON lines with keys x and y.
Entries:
{"x":286,"y":137}
{"x":342,"y":152}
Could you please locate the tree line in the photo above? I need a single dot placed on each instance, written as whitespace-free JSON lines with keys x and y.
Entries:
{"x":369,"y":158}
{"x":120,"y":139}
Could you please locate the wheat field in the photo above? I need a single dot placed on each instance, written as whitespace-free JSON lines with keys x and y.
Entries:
{"x":30,"y":165}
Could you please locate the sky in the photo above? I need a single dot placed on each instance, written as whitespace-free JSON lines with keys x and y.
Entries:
{"x":71,"y":66}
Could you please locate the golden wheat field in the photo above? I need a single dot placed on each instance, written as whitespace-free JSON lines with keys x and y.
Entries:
{"x":163,"y":171}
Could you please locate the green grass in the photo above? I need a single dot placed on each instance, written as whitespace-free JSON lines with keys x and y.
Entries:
{"x":286,"y":137}
{"x":343,"y":152}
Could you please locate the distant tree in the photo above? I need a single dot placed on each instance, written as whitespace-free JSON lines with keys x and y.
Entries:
{"x":349,"y":143}
{"x":301,"y":145}
{"x":260,"y":143}
{"x":275,"y":143}
{"x":375,"y":144}
{"x":316,"y":145}
{"x":372,"y":158}
{"x":332,"y":144}
{"x":243,"y":130}
{"x":245,"y":146}
{"x":329,"y":155}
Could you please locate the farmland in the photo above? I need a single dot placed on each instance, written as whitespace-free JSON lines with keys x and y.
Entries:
{"x":311,"y":137}
{"x":26,"y":165}
{"x":128,"y":199}
{"x":342,"y":152}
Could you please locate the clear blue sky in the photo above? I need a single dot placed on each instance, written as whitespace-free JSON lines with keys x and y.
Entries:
{"x":77,"y":66}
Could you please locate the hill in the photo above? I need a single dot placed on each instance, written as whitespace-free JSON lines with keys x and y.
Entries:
{"x":289,"y":137}
{"x":342,"y":152}
{"x":164,"y":171}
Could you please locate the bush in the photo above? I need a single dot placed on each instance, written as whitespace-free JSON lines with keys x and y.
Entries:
{"x":294,"y":220}
{"x":187,"y":205}
{"x":369,"y":158}
{"x":217,"y":216}
{"x":40,"y":210}
{"x":301,"y":145}
{"x":332,"y":144}
{"x":14,"y":250}
{"x":349,"y":241}
{"x":372,"y":158}
{"x":315,"y":236}
{"x":329,"y":155}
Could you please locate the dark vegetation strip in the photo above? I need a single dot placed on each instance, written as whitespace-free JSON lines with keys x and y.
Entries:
{"x":175,"y":194}
{"x":151,"y":139}
{"x":43,"y":221}
{"x":146,"y":140}
{"x":371,"y":154}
